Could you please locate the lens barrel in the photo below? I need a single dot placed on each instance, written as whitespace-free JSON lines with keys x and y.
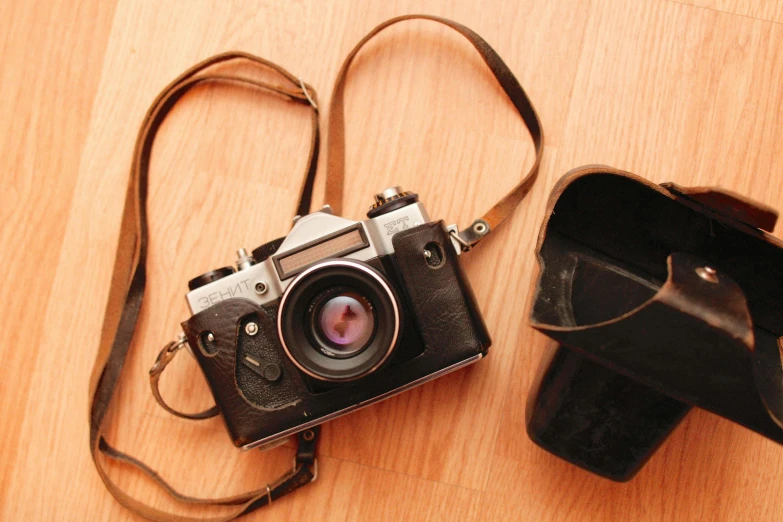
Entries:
{"x":339,"y":320}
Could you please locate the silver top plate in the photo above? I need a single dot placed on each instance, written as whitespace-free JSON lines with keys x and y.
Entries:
{"x":379,"y":232}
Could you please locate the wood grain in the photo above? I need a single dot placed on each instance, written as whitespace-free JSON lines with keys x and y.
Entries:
{"x":52,"y":59}
{"x":771,"y":10}
{"x":687,"y":93}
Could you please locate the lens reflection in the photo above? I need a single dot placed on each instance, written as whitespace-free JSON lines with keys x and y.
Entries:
{"x":347,"y":322}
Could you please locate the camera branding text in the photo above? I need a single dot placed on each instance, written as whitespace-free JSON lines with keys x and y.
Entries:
{"x":226,"y":293}
{"x":397,"y":225}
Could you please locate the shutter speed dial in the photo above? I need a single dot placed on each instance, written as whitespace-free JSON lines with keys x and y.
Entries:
{"x":391,"y":199}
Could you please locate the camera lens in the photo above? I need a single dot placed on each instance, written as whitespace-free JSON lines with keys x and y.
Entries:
{"x":339,"y":320}
{"x":344,"y":321}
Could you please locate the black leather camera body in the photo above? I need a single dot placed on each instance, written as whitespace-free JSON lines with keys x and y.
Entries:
{"x":336,"y":316}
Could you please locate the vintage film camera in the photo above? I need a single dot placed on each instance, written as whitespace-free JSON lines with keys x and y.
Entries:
{"x":337,"y":315}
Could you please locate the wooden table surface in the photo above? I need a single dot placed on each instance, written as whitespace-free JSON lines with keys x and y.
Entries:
{"x":689,"y":91}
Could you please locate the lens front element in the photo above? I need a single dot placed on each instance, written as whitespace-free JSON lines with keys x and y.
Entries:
{"x":339,"y":320}
{"x":344,"y":322}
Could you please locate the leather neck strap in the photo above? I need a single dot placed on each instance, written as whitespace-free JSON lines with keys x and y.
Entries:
{"x":335,"y":173}
{"x":127,"y":290}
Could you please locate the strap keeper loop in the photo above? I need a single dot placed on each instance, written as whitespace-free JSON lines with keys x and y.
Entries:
{"x":307,"y":94}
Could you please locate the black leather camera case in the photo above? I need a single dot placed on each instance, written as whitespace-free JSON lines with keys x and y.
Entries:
{"x":659,"y":298}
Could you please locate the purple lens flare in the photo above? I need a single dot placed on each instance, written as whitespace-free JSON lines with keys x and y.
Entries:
{"x":347,"y":321}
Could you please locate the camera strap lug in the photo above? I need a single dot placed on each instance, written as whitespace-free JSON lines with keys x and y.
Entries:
{"x":459,"y":244}
{"x":465,"y":241}
{"x":315,"y":470}
{"x":165,"y":356}
{"x":305,"y":451}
